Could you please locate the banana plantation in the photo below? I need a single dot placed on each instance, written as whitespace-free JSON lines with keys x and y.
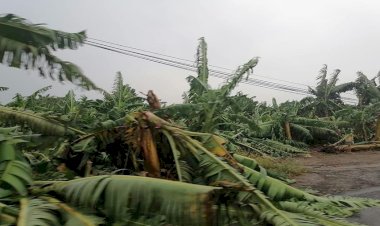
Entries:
{"x":128,"y":159}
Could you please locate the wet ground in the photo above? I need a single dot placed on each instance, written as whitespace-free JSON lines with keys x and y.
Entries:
{"x":351,"y":173}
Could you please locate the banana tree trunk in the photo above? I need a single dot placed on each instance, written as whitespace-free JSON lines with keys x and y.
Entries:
{"x":365,"y":134}
{"x":358,"y":147}
{"x":377,"y":135}
{"x":287,"y":130}
{"x":151,"y":160}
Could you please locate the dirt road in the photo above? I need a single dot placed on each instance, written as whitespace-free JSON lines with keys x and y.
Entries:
{"x":353,"y":173}
{"x":340,"y":173}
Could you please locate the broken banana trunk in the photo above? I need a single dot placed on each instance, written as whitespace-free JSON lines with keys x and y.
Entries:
{"x":151,"y":160}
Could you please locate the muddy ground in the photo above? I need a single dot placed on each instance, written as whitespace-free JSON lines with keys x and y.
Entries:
{"x":351,"y":173}
{"x":340,"y":173}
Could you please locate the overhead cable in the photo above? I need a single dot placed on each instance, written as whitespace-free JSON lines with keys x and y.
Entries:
{"x":173,"y":62}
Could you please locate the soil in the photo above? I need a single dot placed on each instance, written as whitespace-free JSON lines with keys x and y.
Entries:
{"x":350,"y":173}
{"x":340,"y":173}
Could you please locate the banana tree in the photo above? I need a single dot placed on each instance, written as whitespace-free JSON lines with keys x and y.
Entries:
{"x":364,"y":116}
{"x":210,"y":103}
{"x":208,"y":109}
{"x":361,"y":120}
{"x":283,"y":123}
{"x":327,"y":93}
{"x":198,"y":182}
{"x":217,"y":111}
{"x":29,"y":46}
{"x":121,"y":100}
{"x":24,"y":102}
{"x":366,"y":90}
{"x":199,"y":84}
{"x":377,"y":133}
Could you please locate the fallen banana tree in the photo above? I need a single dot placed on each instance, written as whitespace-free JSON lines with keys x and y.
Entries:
{"x":371,"y":145}
{"x":246,"y":194}
{"x":189,"y":179}
{"x":346,"y":144}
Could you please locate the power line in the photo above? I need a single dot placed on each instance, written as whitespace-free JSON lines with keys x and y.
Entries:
{"x":190,"y":67}
{"x":213,"y":72}
{"x":159,"y":54}
{"x":187,"y":60}
{"x":192,"y":61}
{"x":193,"y":68}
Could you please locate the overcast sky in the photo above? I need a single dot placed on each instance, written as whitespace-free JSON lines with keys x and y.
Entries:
{"x":292,"y":38}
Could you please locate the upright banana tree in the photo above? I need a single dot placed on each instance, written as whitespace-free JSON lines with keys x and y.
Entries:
{"x":210,"y":103}
{"x":368,"y":93}
{"x":121,"y":100}
{"x":217,"y":111}
{"x":29,"y":46}
{"x":199,"y":84}
{"x":366,"y":90}
{"x":361,"y":120}
{"x":327,"y":93}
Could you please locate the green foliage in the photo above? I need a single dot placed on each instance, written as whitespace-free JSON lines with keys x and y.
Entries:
{"x":35,"y":212}
{"x":199,"y":181}
{"x":302,"y":129}
{"x":327,"y":93}
{"x":246,"y":187}
{"x":361,"y":120}
{"x":26,"y":45}
{"x":28,"y":101}
{"x":366,"y":90}
{"x":122,"y":100}
{"x":199,"y":85}
{"x":38,"y":122}
{"x":156,"y":199}
{"x":15,"y":174}
{"x":205,"y":104}
{"x":243,"y":121}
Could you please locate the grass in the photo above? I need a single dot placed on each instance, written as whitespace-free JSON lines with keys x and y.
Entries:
{"x":285,"y":167}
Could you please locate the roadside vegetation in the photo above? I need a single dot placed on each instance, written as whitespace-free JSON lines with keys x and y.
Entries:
{"x":130,"y":160}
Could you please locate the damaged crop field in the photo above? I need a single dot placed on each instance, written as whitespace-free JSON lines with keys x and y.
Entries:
{"x":217,"y":158}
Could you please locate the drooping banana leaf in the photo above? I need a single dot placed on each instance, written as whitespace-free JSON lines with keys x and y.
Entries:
{"x":123,"y":198}
{"x":40,"y":123}
{"x":26,"y":45}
